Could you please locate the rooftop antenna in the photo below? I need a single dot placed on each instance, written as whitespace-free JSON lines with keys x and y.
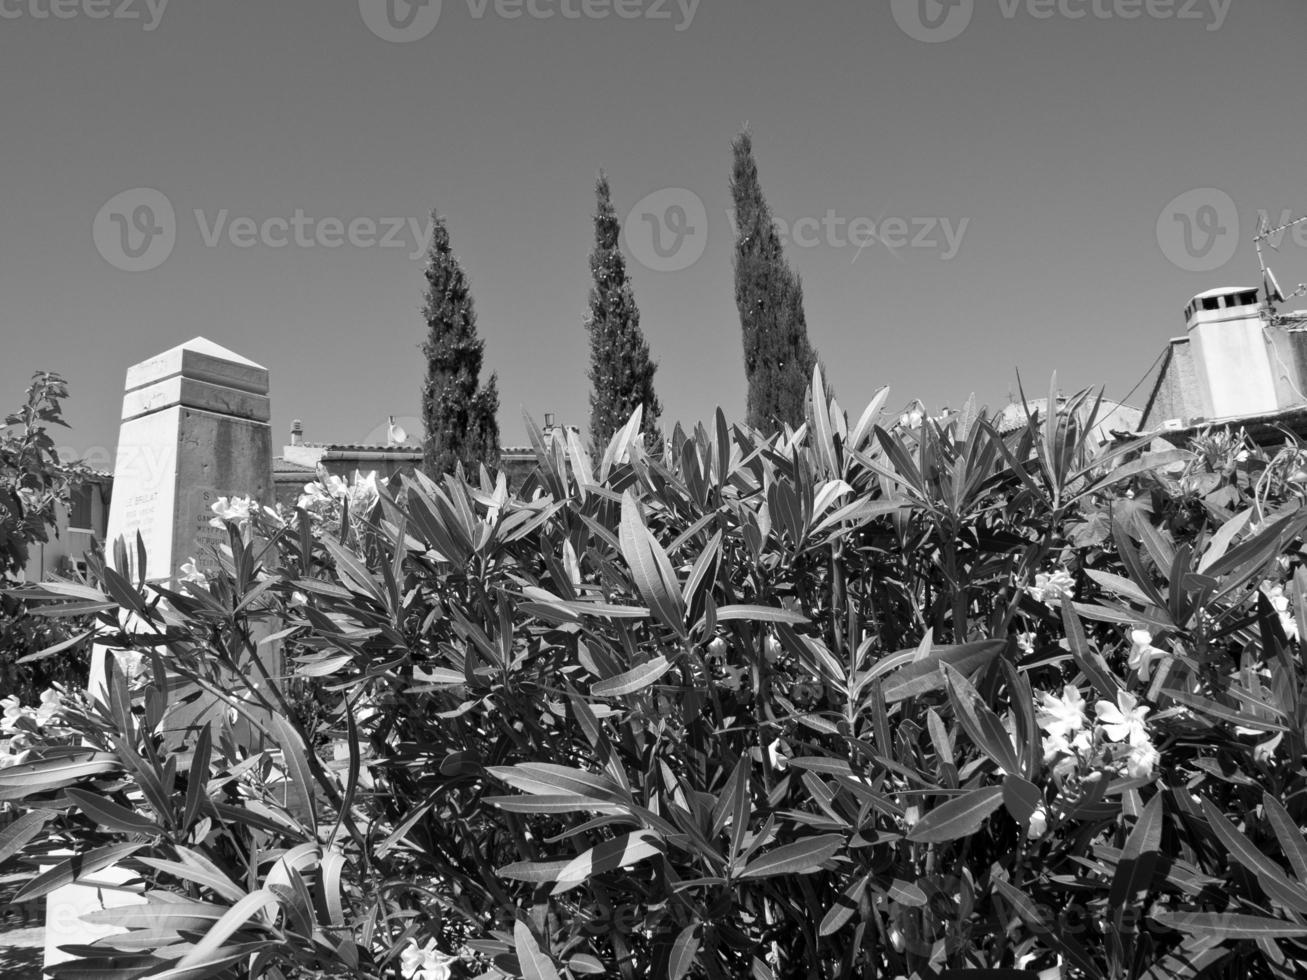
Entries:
{"x":1267,"y":236}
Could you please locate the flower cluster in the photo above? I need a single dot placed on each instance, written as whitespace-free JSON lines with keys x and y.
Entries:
{"x":324,"y":497}
{"x":1280,"y":602}
{"x":1118,"y":739}
{"x":21,"y":727}
{"x":1052,"y":587}
{"x":425,"y":962}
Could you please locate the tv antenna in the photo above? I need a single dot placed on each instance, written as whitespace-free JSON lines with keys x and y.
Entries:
{"x":1268,"y":237}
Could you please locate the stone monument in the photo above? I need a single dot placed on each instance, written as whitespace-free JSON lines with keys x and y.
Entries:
{"x":195,"y":427}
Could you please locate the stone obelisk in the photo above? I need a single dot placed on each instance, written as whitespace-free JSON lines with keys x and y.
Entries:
{"x":195,"y":427}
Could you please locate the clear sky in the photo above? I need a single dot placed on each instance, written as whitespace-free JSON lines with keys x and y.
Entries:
{"x":1023,"y":171}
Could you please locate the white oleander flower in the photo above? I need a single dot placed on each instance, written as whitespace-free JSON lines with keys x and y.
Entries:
{"x":1142,"y":761}
{"x":1051,"y":587}
{"x":778,"y":758}
{"x":13,"y":711}
{"x":1143,"y":653}
{"x":1280,"y":603}
{"x":1038,"y":823}
{"x":1123,"y":721}
{"x":1062,"y":716}
{"x":425,"y":962}
{"x":231,"y":509}
{"x":51,"y":705}
{"x":192,"y":575}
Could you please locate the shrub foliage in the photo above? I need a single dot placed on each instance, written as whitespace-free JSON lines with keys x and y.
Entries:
{"x":836,"y":702}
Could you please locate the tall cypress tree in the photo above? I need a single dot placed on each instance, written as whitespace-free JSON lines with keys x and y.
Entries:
{"x":621,"y":371}
{"x":460,"y":414}
{"x":778,"y":359}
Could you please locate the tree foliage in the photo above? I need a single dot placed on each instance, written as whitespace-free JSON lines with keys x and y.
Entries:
{"x":460,"y":413}
{"x":855,"y":700}
{"x":778,"y":358}
{"x":35,"y":483}
{"x":621,"y":370}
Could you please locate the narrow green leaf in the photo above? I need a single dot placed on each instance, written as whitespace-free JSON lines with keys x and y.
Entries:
{"x":1230,"y":925}
{"x":620,"y":852}
{"x":1270,"y":874}
{"x":72,"y":869}
{"x":536,"y":965}
{"x":1288,"y":834}
{"x":923,"y":676}
{"x":650,"y":567}
{"x":803,"y":857}
{"x":234,"y":919}
{"x":299,"y":777}
{"x":22,"y":832}
{"x":1140,"y":856}
{"x":112,"y":816}
{"x":31,"y":778}
{"x":684,"y":952}
{"x":632,"y":681}
{"x":959,"y":817}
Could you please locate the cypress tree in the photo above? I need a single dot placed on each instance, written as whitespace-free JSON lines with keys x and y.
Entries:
{"x":621,"y":371}
{"x":460,"y":414}
{"x":778,"y":359}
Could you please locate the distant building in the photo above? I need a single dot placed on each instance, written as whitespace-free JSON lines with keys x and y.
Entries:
{"x":1239,"y":363}
{"x":299,"y":461}
{"x":78,"y":527}
{"x":1112,"y":417}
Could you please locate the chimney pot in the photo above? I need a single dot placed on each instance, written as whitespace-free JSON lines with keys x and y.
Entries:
{"x":297,"y":433}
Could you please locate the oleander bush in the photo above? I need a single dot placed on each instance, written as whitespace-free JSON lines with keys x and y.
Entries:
{"x":862,"y":700}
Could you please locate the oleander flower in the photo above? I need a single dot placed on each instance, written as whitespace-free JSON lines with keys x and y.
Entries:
{"x":1123,"y":721}
{"x":1143,"y":653}
{"x":236,"y":509}
{"x":192,"y":575}
{"x":49,"y":708}
{"x":1142,"y":761}
{"x":1049,"y":588}
{"x":13,"y":711}
{"x":1038,"y":823}
{"x":425,"y":962}
{"x":777,"y":756}
{"x":1062,"y":716}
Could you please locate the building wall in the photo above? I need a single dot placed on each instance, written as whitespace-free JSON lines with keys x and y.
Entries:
{"x":1177,"y":393}
{"x":69,"y":542}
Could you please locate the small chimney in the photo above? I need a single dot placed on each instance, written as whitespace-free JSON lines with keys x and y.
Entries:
{"x":1232,"y":352}
{"x":297,"y":433}
{"x":549,"y":422}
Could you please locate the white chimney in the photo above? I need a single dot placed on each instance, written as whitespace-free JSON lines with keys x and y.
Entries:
{"x":1230,"y":348}
{"x":297,"y":433}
